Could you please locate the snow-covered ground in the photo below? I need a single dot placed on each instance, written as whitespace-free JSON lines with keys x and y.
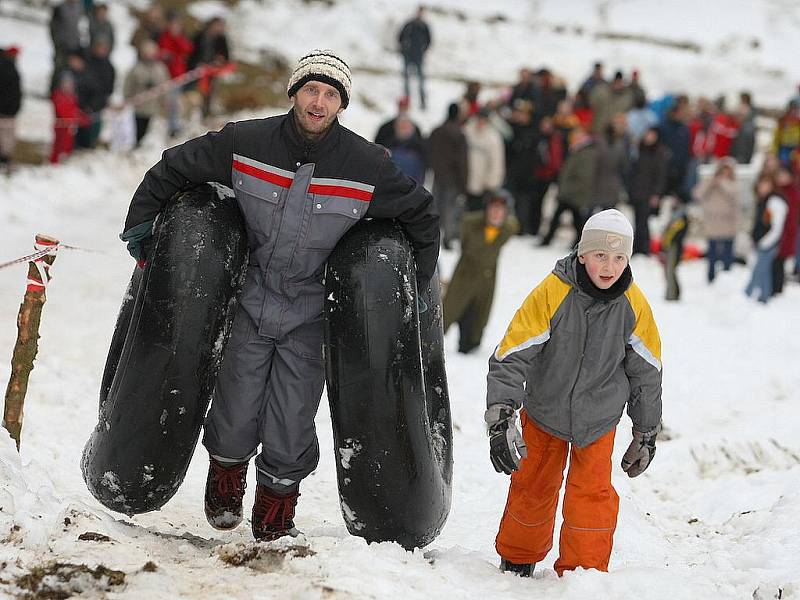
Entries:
{"x":716,"y":515}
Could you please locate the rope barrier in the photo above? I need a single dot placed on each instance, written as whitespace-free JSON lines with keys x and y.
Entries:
{"x":43,"y":250}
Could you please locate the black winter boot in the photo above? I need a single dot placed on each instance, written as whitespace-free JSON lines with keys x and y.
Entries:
{"x":273,"y":514}
{"x":520,"y":570}
{"x":224,"y":492}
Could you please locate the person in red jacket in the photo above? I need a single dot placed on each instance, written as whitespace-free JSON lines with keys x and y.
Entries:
{"x":549,"y":156}
{"x":721,"y":132}
{"x":68,"y":117}
{"x":174,"y":49}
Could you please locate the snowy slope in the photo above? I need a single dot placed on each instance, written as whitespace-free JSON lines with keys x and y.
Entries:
{"x":715,"y":516}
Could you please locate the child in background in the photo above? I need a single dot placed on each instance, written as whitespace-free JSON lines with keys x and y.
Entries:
{"x":68,"y":117}
{"x":719,"y":200}
{"x":671,"y":250}
{"x":582,"y":346}
{"x":771,"y":209}
{"x":469,"y":296}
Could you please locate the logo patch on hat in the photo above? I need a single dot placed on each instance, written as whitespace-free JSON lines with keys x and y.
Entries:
{"x":614,"y":241}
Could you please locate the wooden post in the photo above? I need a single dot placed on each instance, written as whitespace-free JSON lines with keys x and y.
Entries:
{"x":30,"y":314}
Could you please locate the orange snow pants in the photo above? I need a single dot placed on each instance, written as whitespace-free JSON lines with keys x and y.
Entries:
{"x":590,"y":503}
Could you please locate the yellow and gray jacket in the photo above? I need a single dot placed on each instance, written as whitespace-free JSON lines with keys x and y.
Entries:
{"x":573,"y":361}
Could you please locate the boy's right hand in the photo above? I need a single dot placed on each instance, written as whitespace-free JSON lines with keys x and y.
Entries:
{"x":139,"y":239}
{"x":506,"y":444}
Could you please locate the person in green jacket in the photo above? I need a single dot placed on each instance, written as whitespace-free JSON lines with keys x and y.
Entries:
{"x":469,"y":295}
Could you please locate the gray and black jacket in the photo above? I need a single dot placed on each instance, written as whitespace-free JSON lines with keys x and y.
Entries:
{"x":298,"y":200}
{"x":574,"y":360}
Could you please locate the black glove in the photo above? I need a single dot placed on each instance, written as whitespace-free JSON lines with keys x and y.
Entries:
{"x":640,"y":453}
{"x":506,"y":444}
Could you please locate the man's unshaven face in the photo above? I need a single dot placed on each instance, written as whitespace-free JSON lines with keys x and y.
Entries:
{"x":316,"y":105}
{"x":604,"y":269}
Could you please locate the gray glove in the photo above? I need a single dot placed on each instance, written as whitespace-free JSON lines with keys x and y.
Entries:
{"x":640,"y":453}
{"x":506,"y":444}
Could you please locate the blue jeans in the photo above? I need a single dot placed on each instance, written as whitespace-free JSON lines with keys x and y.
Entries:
{"x":719,"y":249}
{"x":410,"y":64}
{"x":762,"y":274}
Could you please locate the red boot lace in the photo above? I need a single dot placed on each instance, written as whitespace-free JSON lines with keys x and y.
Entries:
{"x":229,"y":480}
{"x":275,"y":509}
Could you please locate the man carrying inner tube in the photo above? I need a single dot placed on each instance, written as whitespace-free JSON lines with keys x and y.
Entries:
{"x":301,"y":181}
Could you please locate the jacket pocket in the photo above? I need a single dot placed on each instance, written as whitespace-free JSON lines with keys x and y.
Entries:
{"x":331,"y":217}
{"x":307,"y":340}
{"x":241,"y":331}
{"x":258,"y":201}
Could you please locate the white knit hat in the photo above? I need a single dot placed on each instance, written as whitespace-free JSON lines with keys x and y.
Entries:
{"x":608,"y":230}
{"x":324,"y":66}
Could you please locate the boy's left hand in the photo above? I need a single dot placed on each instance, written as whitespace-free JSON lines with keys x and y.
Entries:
{"x":640,"y":453}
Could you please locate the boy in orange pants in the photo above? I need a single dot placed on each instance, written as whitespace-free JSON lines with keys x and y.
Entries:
{"x":582,"y":346}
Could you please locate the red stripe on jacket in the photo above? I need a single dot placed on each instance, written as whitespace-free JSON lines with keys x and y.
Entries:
{"x":341,"y":191}
{"x":263,"y":175}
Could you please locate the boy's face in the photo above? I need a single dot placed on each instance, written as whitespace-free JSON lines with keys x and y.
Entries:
{"x":604,"y":269}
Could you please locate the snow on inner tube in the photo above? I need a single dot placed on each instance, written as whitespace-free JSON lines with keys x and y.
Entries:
{"x":165,"y":352}
{"x":387,"y":389}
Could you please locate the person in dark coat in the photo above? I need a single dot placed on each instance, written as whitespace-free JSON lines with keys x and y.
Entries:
{"x":90,"y":97}
{"x":10,"y":102}
{"x":386,"y":132}
{"x":469,"y":296}
{"x":647,"y":178}
{"x":550,"y":92}
{"x":525,"y":89}
{"x":210,"y":49}
{"x":447,"y":155}
{"x":414,"y":40}
{"x":550,"y":151}
{"x":637,"y":91}
{"x":520,"y":165}
{"x":408,"y":149}
{"x":99,"y":69}
{"x":100,"y":28}
{"x":594,"y":78}
{"x":65,"y":23}
{"x":675,"y":136}
{"x":745,"y":141}
{"x":302,"y":181}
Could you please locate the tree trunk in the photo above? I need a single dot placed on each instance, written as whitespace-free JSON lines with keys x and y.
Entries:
{"x":30,"y":314}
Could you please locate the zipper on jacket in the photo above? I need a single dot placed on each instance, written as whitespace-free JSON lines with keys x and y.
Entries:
{"x":577,"y":376}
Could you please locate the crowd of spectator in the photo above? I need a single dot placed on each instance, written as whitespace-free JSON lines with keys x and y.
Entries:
{"x":605,"y":144}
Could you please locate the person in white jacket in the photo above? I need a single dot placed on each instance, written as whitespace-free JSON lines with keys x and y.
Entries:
{"x":485,"y":159}
{"x":771,"y":210}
